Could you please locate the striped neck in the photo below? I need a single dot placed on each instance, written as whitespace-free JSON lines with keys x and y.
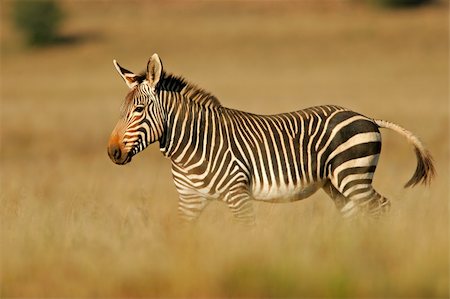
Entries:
{"x":184,"y":122}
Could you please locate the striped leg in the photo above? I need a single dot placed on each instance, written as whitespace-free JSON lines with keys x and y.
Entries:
{"x":240,"y":204}
{"x":344,"y":204}
{"x":190,"y":206}
{"x":368,"y":202}
{"x":375,"y":204}
{"x":351,"y":188}
{"x":339,"y":200}
{"x":359,"y":190}
{"x":360,"y":197}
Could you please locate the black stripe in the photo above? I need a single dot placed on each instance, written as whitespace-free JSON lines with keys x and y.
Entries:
{"x":356,"y":182}
{"x":359,"y":191}
{"x":355,"y":152}
{"x":354,"y":170}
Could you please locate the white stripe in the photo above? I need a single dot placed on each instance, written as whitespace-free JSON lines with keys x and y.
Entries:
{"x":355,"y":140}
{"x":359,"y":162}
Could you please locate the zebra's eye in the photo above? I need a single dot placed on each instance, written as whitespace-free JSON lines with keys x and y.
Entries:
{"x":139,"y":109}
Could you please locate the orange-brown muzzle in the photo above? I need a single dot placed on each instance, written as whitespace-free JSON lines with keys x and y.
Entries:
{"x":116,"y":147}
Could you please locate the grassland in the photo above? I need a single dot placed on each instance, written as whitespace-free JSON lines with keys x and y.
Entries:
{"x":75,"y":225}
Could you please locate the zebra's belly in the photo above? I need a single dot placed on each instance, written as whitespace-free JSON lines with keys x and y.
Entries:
{"x":285,"y":193}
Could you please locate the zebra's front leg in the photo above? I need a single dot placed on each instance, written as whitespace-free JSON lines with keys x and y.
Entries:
{"x":190,"y":206}
{"x":239,"y":201}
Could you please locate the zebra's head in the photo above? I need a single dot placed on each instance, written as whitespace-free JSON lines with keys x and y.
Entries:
{"x":141,"y":121}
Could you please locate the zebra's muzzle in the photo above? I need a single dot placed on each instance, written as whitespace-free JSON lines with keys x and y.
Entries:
{"x":117,"y":155}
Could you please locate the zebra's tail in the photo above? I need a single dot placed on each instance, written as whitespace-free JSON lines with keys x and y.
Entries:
{"x":425,"y":169}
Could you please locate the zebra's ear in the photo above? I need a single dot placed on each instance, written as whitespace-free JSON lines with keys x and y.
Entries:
{"x":130,"y":78}
{"x":154,"y":70}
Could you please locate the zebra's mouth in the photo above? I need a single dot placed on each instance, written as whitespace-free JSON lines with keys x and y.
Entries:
{"x":137,"y":148}
{"x":125,"y":161}
{"x":125,"y":157}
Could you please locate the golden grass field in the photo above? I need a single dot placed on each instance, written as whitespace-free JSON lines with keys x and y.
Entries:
{"x":75,"y":225}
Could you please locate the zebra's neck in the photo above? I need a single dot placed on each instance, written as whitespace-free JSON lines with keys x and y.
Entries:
{"x":186,"y":127}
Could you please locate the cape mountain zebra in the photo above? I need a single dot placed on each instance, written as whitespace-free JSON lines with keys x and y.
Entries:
{"x":234,"y":156}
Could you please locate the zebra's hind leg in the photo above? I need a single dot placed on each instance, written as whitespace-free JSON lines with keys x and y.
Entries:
{"x":360,"y":198}
{"x":339,"y":200}
{"x":374,"y":203}
{"x":368,"y":201}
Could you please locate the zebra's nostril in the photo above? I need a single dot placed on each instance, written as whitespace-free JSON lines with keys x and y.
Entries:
{"x":116,"y":152}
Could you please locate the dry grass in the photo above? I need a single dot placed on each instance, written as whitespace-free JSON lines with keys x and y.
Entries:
{"x":75,"y":225}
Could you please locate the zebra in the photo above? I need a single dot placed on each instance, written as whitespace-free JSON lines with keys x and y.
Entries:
{"x":218,"y":153}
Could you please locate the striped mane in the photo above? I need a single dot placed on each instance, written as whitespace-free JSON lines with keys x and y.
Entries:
{"x":170,"y":82}
{"x":178,"y":84}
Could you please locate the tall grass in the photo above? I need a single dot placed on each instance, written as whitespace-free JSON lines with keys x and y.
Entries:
{"x":75,"y":225}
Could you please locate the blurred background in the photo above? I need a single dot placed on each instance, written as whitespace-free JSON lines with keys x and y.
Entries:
{"x":73,"y":224}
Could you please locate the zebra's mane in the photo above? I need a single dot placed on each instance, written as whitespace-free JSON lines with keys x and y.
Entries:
{"x":191,"y":91}
{"x":170,"y":82}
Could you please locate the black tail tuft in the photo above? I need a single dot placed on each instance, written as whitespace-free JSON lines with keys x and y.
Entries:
{"x":424,"y":171}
